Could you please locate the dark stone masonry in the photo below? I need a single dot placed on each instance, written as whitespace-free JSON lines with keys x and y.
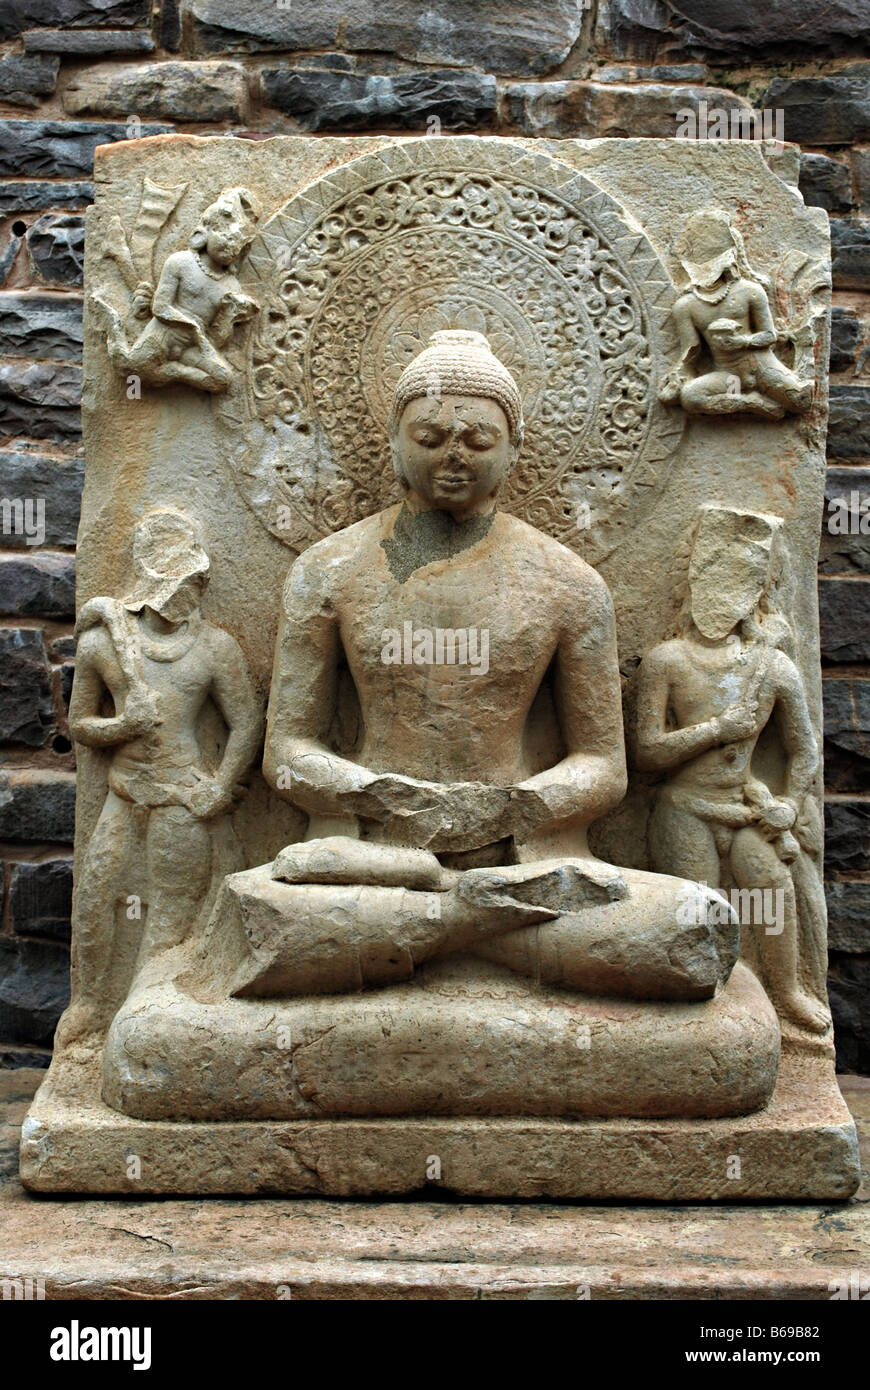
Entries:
{"x":78,"y":73}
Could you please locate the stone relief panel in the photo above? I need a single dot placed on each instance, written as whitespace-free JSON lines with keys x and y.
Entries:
{"x":730,"y":812}
{"x":734,"y":334}
{"x":178,"y":333}
{"x":436,"y":394}
{"x":146,"y":666}
{"x":355,"y":273}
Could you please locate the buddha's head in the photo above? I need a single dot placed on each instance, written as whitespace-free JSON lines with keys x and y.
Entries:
{"x":456,"y":425}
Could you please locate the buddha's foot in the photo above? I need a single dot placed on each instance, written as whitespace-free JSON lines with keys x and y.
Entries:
{"x":579,"y":923}
{"x":804,"y":1011}
{"x":637,"y":944}
{"x":338,"y":859}
{"x":315,"y":938}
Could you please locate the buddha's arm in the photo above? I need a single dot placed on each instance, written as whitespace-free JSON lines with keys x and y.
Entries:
{"x":297,"y":761}
{"x":658,"y":749}
{"x":592,"y":777}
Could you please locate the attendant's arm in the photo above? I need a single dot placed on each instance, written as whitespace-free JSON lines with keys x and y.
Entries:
{"x":690,"y":346}
{"x":690,"y":338}
{"x":94,"y":675}
{"x":234,"y":694}
{"x":796,"y":731}
{"x":764,"y":334}
{"x":658,"y":748}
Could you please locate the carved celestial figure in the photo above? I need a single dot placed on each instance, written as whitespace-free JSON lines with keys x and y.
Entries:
{"x":704,"y":701}
{"x":726,"y":314}
{"x":194,"y":311}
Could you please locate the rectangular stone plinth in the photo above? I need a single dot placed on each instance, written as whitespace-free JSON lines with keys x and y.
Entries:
{"x":313,"y":1249}
{"x":803,"y":1146}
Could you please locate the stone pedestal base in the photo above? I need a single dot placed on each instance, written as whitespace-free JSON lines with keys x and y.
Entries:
{"x":464,"y":1039}
{"x":313,"y":1249}
{"x":796,"y":1148}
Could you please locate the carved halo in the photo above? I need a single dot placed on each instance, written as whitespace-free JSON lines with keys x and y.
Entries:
{"x":355,"y":272}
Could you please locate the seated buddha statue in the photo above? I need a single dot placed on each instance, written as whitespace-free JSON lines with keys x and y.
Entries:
{"x":446,"y":709}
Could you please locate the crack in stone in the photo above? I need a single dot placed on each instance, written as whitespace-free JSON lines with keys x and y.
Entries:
{"x":157,"y":1240}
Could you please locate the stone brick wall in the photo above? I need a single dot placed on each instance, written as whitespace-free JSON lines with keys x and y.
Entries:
{"x":77,"y":73}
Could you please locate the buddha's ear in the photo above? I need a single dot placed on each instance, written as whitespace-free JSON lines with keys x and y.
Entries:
{"x":516,"y":448}
{"x":394,"y":454}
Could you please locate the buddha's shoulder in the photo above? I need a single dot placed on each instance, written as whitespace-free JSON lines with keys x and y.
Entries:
{"x":343,"y":546}
{"x":558,"y":562}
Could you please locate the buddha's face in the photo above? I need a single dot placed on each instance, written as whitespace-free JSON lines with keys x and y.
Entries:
{"x":453,"y":454}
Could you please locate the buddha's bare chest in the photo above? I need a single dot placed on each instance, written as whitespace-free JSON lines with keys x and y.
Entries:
{"x":445,"y":632}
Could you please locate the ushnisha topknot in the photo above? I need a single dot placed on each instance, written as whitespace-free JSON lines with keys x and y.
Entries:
{"x":459,"y":362}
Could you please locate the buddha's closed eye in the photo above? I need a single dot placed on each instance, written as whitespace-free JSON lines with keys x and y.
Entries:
{"x":480,"y":439}
{"x":429,"y":438}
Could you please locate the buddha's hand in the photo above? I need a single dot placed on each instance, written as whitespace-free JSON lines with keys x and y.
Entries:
{"x":438,"y":816}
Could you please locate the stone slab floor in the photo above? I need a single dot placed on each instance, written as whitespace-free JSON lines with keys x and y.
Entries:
{"x":250,"y":1248}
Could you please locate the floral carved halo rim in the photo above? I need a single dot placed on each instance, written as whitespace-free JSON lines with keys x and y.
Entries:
{"x":297,"y":431}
